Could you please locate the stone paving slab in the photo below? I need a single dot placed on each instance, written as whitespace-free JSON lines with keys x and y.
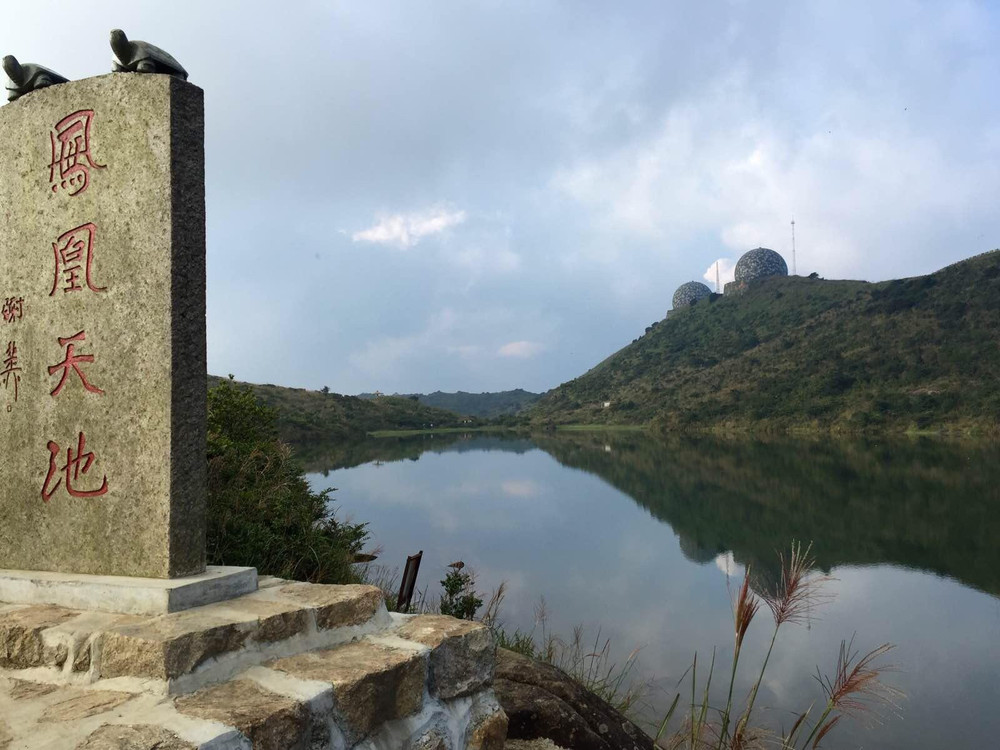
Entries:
{"x":89,"y":678}
{"x":335,"y":606}
{"x":462,"y":655}
{"x":22,"y":643}
{"x":270,"y":721}
{"x":372,"y":683}
{"x":168,"y":647}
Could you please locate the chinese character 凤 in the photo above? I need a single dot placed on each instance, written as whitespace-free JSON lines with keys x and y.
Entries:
{"x":71,"y":158}
{"x":13,"y":309}
{"x":72,"y":361}
{"x":11,"y":367}
{"x":75,"y":465}
{"x":74,"y":252}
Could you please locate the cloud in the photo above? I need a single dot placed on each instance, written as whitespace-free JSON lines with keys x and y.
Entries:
{"x":520,"y":349}
{"x":726,"y":273}
{"x":406,"y":230}
{"x":520,"y":487}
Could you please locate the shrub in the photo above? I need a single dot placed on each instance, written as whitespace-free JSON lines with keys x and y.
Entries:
{"x":261,"y":511}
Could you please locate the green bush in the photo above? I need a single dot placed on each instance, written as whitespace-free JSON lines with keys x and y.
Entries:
{"x":261,"y":511}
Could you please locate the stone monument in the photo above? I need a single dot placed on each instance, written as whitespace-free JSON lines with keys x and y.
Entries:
{"x":112,"y":631}
{"x":102,"y":357}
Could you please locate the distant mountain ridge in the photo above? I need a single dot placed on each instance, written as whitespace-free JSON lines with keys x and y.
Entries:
{"x":485,"y":405}
{"x":921,"y":353}
{"x":306,"y":416}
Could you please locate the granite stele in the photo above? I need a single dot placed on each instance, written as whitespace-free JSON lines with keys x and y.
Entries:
{"x":102,"y":343}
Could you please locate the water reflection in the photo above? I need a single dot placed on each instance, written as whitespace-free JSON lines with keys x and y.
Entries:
{"x":634,"y":535}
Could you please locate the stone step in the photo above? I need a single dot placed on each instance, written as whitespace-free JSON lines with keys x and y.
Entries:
{"x":184,"y":651}
{"x":423,"y":684}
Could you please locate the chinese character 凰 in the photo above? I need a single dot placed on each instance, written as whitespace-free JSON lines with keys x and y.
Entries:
{"x":71,"y":158}
{"x":11,"y":367}
{"x":13,"y":309}
{"x":75,"y":466}
{"x":73,"y":361}
{"x":74,"y":252}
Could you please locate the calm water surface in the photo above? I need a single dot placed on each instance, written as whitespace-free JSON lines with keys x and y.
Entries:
{"x":635,"y":536}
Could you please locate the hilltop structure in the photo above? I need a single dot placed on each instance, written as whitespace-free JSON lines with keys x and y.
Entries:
{"x":687,"y":294}
{"x":759,"y":263}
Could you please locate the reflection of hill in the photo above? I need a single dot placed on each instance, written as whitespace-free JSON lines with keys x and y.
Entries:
{"x":926,"y":505}
{"x":343,"y":455}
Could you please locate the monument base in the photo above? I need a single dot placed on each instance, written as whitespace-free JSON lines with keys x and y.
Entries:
{"x":125,"y":595}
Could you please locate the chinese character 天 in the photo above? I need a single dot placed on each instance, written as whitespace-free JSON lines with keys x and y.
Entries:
{"x":72,"y":361}
{"x":71,"y":158}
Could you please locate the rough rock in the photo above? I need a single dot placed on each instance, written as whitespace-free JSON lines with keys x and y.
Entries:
{"x":136,"y":737}
{"x":277,"y":619}
{"x":269,"y":720}
{"x":433,"y":739}
{"x":169,"y":646}
{"x":21,"y":642}
{"x":489,"y":732}
{"x":85,"y":705}
{"x":462,"y":653}
{"x":541,"y":744}
{"x":372,"y":683}
{"x":336,"y":606}
{"x":24,"y":691}
{"x":541,"y":701}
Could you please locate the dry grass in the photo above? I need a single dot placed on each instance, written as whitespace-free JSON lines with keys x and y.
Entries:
{"x":855,"y":687}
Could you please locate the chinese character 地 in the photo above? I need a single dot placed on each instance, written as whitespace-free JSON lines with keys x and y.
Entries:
{"x":72,"y":361}
{"x":13,"y":309}
{"x":11,"y":368}
{"x":71,"y":158}
{"x":76,"y":464}
{"x":74,"y":252}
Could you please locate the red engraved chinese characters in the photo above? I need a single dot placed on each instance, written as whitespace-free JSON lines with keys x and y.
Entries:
{"x":74,"y":255}
{"x":71,"y":158}
{"x":11,"y":369}
{"x":72,"y":361}
{"x":13,"y":309}
{"x":76,"y":464}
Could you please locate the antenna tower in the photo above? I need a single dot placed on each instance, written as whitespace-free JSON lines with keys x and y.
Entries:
{"x":794,"y":272}
{"x":718,"y":287}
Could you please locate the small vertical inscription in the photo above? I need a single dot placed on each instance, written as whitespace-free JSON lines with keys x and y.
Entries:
{"x":13,"y":309}
{"x":74,"y":254}
{"x":76,"y":464}
{"x":11,"y":370}
{"x":71,"y":158}
{"x":72,"y":361}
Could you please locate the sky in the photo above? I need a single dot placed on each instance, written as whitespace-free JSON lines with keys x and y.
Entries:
{"x":489,"y":195}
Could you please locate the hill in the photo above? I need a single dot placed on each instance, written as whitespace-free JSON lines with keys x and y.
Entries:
{"x":306,"y":416}
{"x":486,"y":405}
{"x":807,"y":353}
{"x":752,"y":496}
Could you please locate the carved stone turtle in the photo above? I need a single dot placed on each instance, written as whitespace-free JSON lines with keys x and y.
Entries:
{"x":143,"y":57}
{"x":28,"y":77}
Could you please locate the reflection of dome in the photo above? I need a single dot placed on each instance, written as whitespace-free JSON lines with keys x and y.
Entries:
{"x":690,"y":292}
{"x":760,"y":263}
{"x":698,"y":552}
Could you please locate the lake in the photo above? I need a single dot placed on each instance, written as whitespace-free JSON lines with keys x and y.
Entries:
{"x":638,"y":537}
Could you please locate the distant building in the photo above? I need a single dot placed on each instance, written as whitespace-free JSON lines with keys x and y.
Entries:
{"x":690,"y":292}
{"x":759,"y":263}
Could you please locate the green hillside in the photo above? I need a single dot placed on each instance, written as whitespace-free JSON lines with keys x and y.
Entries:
{"x":486,"y":405}
{"x":807,"y":353}
{"x":306,"y":416}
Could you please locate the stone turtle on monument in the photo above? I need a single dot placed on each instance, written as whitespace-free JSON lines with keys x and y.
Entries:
{"x":28,"y":77}
{"x":143,"y":57}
